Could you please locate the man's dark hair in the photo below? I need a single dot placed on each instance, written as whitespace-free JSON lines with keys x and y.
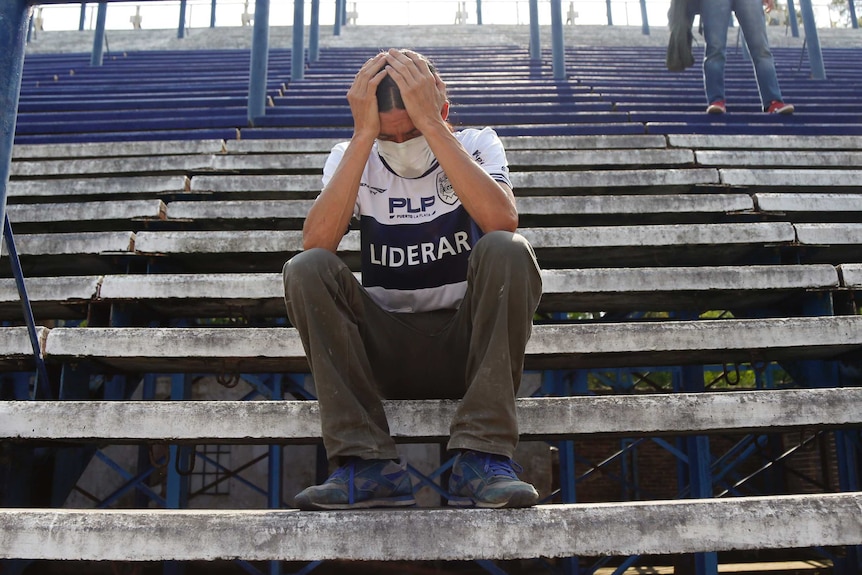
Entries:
{"x":388,"y":94}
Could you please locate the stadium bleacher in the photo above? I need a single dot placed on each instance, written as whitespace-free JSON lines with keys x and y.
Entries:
{"x":608,"y":90}
{"x":152,"y":223}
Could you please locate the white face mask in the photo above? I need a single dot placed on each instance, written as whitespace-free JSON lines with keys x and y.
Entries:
{"x":408,"y":159}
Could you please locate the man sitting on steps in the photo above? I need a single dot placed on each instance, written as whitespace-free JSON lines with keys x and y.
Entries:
{"x":447,"y":297}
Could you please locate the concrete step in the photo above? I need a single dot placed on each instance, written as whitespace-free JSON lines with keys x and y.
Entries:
{"x":50,"y":297}
{"x":765,"y":141}
{"x":114,"y":187}
{"x":239,"y":350}
{"x":72,"y":252}
{"x":815,"y":205}
{"x":592,"y":246}
{"x":851,"y":275}
{"x":606,"y":289}
{"x":89,"y":216}
{"x":112,"y":149}
{"x":549,"y":210}
{"x":262,"y":422}
{"x":620,"y":529}
{"x":828,"y":179}
{"x":16,"y":350}
{"x":772,"y":159}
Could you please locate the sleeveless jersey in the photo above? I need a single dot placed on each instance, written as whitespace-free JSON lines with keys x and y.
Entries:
{"x":415,"y":234}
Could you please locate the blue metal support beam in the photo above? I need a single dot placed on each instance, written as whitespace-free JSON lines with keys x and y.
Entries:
{"x":854,"y":22}
{"x":275,"y":469}
{"x":213,"y":14}
{"x":644,"y":19}
{"x":181,"y":26}
{"x":314,"y":32}
{"x":180,"y":465}
{"x":698,"y":470}
{"x":535,"y":43}
{"x":610,"y":12}
{"x":259,"y":62}
{"x":815,"y":56}
{"x":99,"y":37}
{"x":558,"y":51}
{"x":297,"y":60}
{"x":82,"y":19}
{"x":791,"y":18}
{"x":560,"y":383}
{"x":848,"y":480}
{"x":336,"y":25}
{"x":479,"y":12}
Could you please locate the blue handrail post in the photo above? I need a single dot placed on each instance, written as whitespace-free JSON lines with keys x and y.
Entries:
{"x":297,"y":61}
{"x":644,"y":19}
{"x":559,"y":56}
{"x":180,"y":466}
{"x":314,"y":32}
{"x":478,"y":12}
{"x":181,"y":27}
{"x":275,"y":471}
{"x":854,"y":22}
{"x":259,"y":62}
{"x":336,"y":26}
{"x":791,"y":18}
{"x":43,"y":388}
{"x":99,"y":37}
{"x":699,"y":475}
{"x":610,"y":12}
{"x":213,"y":14}
{"x":14,"y":21}
{"x":82,"y":19}
{"x":535,"y":44}
{"x":815,"y":56}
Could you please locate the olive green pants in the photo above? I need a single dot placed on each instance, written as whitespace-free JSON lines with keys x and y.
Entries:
{"x":360,"y":354}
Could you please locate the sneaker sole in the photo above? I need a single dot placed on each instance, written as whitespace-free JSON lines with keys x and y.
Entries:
{"x":369,"y":504}
{"x":516,"y":501}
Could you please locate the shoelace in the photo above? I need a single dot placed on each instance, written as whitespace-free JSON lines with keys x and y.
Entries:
{"x":348,"y":469}
{"x":502,"y":466}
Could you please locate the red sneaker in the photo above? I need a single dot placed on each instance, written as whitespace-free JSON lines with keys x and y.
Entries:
{"x":716,"y":107}
{"x":778,"y":107}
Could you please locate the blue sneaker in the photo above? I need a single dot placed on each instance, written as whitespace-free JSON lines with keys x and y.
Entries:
{"x":360,"y":484}
{"x":488,"y":480}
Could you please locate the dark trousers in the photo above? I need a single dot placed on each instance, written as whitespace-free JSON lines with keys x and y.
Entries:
{"x":360,"y":353}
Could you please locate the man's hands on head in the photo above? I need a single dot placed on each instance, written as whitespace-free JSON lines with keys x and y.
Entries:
{"x":423,"y":92}
{"x":362,"y":96}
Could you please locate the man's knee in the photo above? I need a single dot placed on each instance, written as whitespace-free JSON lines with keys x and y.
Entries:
{"x":502,"y":244}
{"x":308,"y":264}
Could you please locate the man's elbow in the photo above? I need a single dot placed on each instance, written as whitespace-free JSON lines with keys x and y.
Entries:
{"x":508,"y":223}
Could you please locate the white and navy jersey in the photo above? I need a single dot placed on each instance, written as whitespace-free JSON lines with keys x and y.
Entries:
{"x":415,"y":234}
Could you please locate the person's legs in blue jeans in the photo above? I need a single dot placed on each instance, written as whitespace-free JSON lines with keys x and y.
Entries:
{"x":715,"y":16}
{"x":749,"y":14}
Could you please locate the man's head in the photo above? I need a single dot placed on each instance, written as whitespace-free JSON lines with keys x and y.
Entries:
{"x":388,"y":94}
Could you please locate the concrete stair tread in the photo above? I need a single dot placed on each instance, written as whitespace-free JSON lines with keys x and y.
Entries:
{"x":579,"y":345}
{"x":261,"y":422}
{"x":261,"y":294}
{"x":656,"y":527}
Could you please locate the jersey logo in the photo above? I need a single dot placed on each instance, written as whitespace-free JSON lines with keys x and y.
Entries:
{"x":372,"y":189}
{"x":445,"y":191}
{"x":405,"y":208}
